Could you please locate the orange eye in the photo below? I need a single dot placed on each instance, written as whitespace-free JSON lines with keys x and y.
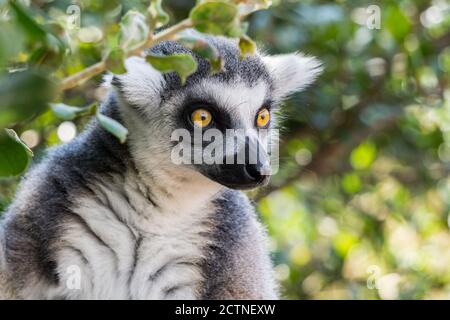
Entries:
{"x":201,"y":118}
{"x":263,"y":118}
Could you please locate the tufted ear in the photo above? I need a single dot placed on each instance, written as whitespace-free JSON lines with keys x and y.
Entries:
{"x":291,"y":72}
{"x":141,"y":85}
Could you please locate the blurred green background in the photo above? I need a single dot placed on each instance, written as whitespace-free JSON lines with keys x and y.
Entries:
{"x":360,"y":208}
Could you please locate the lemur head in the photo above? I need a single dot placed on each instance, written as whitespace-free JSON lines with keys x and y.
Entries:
{"x":245,"y":96}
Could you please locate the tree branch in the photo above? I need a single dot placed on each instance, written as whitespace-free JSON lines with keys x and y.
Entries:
{"x":85,"y":74}
{"x":77,"y":78}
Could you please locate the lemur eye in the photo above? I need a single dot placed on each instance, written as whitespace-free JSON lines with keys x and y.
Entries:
{"x":262,"y":118}
{"x":201,"y":118}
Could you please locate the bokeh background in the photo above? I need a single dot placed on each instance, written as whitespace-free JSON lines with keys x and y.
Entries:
{"x":360,"y":208}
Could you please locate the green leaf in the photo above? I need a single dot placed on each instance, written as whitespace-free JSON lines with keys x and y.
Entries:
{"x":52,"y":49}
{"x":183,"y":64}
{"x":48,"y":57}
{"x":134,"y":30}
{"x":249,"y":6}
{"x":15,"y":156}
{"x":214,"y":17}
{"x":25,"y":19}
{"x":115,"y":59}
{"x":23,"y":95}
{"x":247,"y":46}
{"x":201,"y":47}
{"x":351,"y":183}
{"x":157,"y":16}
{"x":343,"y":242}
{"x":57,"y":37}
{"x":397,"y":22}
{"x":363,"y":156}
{"x":12,"y":42}
{"x":237,"y":30}
{"x":113,"y":127}
{"x":66,"y":112}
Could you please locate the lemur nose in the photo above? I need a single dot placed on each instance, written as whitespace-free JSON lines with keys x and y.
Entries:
{"x":258,"y":172}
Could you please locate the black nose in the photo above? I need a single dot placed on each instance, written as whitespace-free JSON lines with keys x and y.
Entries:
{"x":255,"y":172}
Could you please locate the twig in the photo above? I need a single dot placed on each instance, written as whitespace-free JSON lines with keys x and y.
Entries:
{"x":77,"y":78}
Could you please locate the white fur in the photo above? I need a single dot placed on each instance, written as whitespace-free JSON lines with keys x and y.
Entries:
{"x":142,"y":83}
{"x":239,"y":100}
{"x":118,"y":238}
{"x":291,"y":72}
{"x":172,"y":231}
{"x":140,"y":238}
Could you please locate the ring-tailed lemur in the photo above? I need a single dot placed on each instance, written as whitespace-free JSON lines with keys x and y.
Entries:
{"x":97,"y":219}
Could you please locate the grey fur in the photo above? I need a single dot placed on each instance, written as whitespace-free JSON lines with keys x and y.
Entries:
{"x":233,"y":261}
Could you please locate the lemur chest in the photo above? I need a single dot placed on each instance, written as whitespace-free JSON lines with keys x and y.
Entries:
{"x":121,"y":245}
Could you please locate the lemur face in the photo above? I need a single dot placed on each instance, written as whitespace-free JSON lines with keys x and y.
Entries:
{"x":239,"y":101}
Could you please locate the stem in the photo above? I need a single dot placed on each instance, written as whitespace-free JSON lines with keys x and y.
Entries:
{"x":83,"y":75}
{"x":77,"y":78}
{"x":170,"y":32}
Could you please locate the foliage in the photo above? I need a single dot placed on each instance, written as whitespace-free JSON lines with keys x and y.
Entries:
{"x":16,"y":154}
{"x":362,"y":198}
{"x":184,"y":64}
{"x":43,"y":57}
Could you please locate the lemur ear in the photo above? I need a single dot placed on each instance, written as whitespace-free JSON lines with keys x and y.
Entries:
{"x":141,"y":85}
{"x":291,"y":72}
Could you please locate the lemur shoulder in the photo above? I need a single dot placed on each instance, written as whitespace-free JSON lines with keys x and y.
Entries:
{"x":129,"y":221}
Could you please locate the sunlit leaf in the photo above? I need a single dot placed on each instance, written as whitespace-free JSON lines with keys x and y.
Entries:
{"x":134,"y":30}
{"x":113,"y":127}
{"x":183,"y":64}
{"x":249,"y":6}
{"x":15,"y":156}
{"x":247,"y":46}
{"x":397,"y":22}
{"x":351,"y":183}
{"x":343,"y":242}
{"x":214,"y":17}
{"x":158,"y":17}
{"x":66,"y":112}
{"x":363,"y":156}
